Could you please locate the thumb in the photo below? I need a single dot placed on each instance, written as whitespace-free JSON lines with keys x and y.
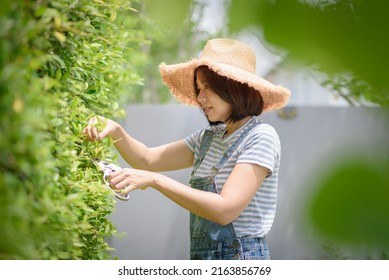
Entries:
{"x":104,"y":133}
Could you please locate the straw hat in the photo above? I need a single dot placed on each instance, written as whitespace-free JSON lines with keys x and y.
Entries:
{"x":228,"y":58}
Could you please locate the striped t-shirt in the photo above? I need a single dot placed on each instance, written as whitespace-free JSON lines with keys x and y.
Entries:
{"x":261,"y":146}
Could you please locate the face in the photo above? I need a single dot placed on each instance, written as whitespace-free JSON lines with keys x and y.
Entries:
{"x":213,"y":106}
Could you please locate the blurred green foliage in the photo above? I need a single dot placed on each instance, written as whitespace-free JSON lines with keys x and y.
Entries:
{"x":350,"y":205}
{"x":60,"y":63}
{"x":347,"y":38}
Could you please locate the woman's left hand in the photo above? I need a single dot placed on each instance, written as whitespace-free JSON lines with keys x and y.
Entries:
{"x":128,"y":179}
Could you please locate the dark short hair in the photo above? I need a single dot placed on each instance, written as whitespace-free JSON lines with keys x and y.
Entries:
{"x":244,"y":100}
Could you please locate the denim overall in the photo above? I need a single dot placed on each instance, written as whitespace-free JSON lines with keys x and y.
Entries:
{"x":209,"y":240}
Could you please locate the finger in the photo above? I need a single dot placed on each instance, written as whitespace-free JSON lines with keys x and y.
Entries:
{"x":95,"y":133}
{"x":88,"y":134}
{"x":127,"y":189}
{"x":103,"y":134}
{"x":117,"y":179}
{"x":124,"y":184}
{"x":85,"y":133}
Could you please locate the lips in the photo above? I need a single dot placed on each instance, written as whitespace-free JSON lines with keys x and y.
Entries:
{"x":207,"y":109}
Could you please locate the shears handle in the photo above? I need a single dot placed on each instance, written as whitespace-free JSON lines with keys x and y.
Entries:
{"x":107,"y":172}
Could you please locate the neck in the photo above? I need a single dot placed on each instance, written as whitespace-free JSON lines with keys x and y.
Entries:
{"x":233,"y":126}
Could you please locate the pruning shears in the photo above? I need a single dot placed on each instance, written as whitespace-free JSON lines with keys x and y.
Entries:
{"x":107,"y":168}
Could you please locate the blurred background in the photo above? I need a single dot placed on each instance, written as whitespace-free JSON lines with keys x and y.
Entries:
{"x":334,"y":184}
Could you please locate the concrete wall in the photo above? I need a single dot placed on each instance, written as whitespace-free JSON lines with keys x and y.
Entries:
{"x":156,"y":228}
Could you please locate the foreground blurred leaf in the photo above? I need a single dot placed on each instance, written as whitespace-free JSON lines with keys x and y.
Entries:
{"x":327,"y":35}
{"x":351,"y":205}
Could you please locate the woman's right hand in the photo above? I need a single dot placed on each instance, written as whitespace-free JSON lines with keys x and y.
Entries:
{"x":92,"y":132}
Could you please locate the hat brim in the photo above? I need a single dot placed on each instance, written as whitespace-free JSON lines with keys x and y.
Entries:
{"x":179,"y":78}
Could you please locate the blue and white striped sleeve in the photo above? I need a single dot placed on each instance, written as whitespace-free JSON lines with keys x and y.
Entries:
{"x":193,"y":140}
{"x":262,"y":147}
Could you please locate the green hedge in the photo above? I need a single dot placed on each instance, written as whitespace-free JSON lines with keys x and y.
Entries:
{"x":61,"y":62}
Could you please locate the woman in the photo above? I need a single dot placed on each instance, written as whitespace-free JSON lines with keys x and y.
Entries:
{"x":233,"y":187}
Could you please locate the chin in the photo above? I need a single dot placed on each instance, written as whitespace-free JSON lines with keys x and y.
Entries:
{"x":214,"y":122}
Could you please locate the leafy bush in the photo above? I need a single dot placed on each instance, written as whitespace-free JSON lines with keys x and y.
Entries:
{"x":60,"y":62}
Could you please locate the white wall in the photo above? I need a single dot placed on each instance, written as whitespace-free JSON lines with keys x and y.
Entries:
{"x":156,"y":228}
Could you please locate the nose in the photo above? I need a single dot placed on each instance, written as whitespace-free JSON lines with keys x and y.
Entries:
{"x":201,"y":97}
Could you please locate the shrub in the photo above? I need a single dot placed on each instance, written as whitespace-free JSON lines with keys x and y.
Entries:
{"x":60,"y":62}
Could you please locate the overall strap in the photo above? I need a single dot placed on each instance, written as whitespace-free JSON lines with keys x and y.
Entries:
{"x":233,"y":147}
{"x":204,"y":146}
